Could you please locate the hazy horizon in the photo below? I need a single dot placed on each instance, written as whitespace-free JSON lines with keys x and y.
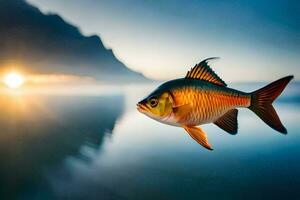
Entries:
{"x":80,"y":119}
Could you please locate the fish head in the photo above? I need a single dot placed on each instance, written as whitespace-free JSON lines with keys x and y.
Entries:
{"x":158,"y":105}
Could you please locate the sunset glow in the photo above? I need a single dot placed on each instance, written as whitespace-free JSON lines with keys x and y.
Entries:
{"x":13,"y":80}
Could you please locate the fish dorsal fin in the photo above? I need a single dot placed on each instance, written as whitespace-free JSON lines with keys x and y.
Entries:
{"x":204,"y":72}
{"x":228,"y":122}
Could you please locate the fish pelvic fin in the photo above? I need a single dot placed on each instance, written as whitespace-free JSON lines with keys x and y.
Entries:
{"x":261,"y":103}
{"x":198,"y":134}
{"x":228,"y":122}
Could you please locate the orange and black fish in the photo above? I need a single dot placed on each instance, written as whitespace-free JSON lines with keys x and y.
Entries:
{"x":203,"y":97}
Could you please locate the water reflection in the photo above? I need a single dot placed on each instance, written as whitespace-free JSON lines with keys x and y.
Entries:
{"x":39,"y":132}
{"x":56,"y":148}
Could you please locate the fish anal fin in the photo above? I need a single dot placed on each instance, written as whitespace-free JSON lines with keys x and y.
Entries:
{"x":203,"y":72}
{"x":228,"y":122}
{"x":198,"y":134}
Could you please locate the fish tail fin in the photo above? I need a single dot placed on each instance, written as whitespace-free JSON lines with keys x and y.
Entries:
{"x":262,"y":99}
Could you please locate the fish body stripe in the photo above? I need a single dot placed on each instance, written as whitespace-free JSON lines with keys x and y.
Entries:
{"x":208,"y":103}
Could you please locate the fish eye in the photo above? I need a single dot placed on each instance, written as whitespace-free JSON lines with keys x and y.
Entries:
{"x":153,"y":102}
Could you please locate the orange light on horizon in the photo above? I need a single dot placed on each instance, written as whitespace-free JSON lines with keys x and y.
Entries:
{"x":13,"y":80}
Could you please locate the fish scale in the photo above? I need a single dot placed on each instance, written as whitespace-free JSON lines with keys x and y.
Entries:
{"x":208,"y":103}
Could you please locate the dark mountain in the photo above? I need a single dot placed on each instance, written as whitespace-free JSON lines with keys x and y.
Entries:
{"x":47,"y":44}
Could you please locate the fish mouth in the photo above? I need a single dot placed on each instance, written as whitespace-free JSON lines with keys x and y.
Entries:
{"x":141,"y":108}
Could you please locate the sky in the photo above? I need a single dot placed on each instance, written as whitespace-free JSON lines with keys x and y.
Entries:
{"x":163,"y":39}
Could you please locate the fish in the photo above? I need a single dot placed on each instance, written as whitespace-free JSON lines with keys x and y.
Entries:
{"x":202,"y":97}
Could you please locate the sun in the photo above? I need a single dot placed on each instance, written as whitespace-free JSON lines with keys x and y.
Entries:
{"x":13,"y":80}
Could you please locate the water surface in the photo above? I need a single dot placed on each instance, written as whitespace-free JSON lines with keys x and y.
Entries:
{"x":97,"y":146}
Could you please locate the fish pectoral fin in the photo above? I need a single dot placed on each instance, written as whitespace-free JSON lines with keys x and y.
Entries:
{"x":228,"y":122}
{"x":181,"y":111}
{"x":197,"y":134}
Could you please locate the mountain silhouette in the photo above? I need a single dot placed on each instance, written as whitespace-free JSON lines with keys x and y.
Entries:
{"x":45,"y":43}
